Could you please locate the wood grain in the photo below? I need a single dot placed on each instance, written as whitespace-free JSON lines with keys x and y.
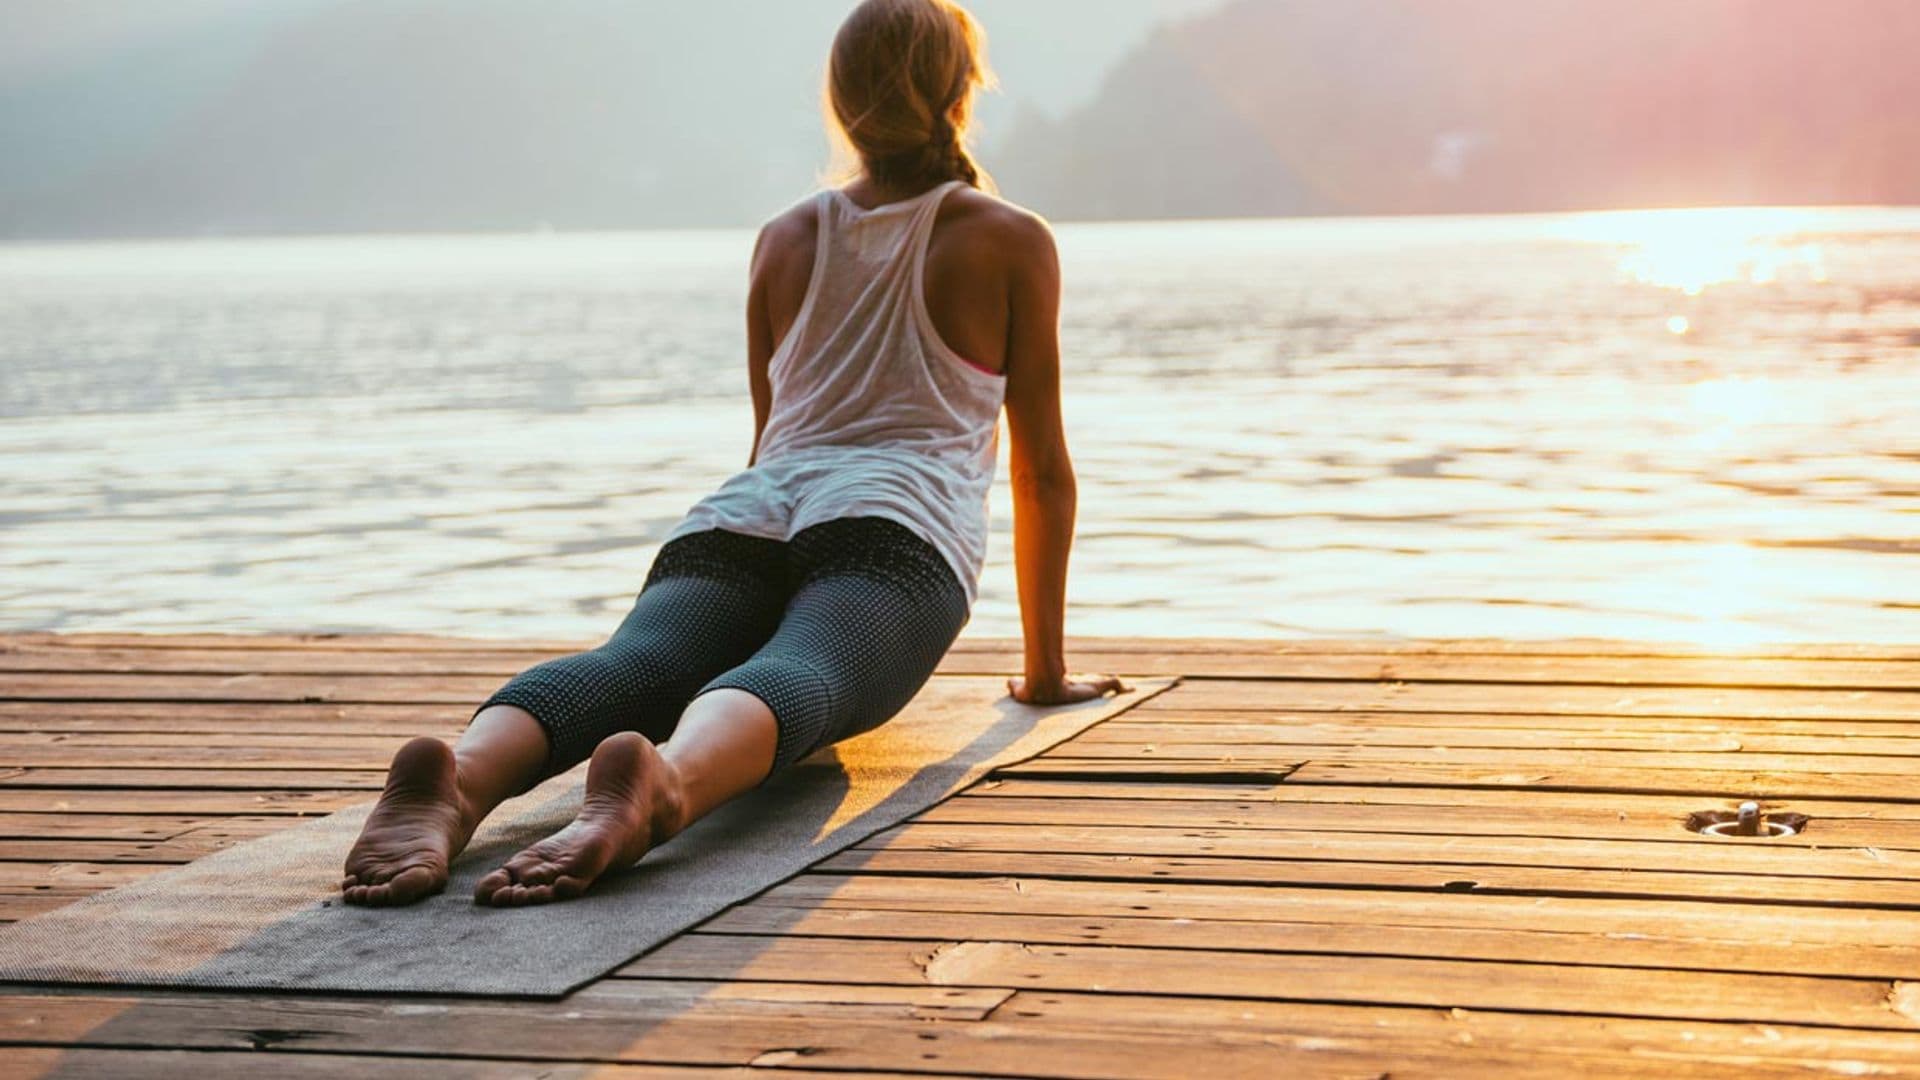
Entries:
{"x":1308,"y":858}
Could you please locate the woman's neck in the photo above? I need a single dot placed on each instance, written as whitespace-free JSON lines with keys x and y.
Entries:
{"x":868,"y":192}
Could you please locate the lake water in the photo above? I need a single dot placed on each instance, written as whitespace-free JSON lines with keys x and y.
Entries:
{"x":1698,"y":425}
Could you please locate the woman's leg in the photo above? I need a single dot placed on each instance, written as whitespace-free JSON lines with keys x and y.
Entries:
{"x":709,"y":601}
{"x":876,"y":610}
{"x":638,"y":795}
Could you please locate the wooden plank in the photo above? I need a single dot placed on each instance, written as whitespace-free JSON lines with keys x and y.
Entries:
{"x":1191,"y":646}
{"x":1465,"y":813}
{"x":186,"y":718}
{"x":1545,"y":700}
{"x":1467,"y":984}
{"x":170,"y":851}
{"x":1901,"y":674}
{"x":346,"y":659}
{"x":1545,"y":1036}
{"x":1731,"y":737}
{"x":24,"y":877}
{"x":1141,"y":733}
{"x":1050,"y":1034}
{"x":1547,"y":805}
{"x":1717,"y":784}
{"x":1436,"y":847}
{"x":1596,"y":945}
{"x":451,"y":690}
{"x":1505,"y":647}
{"x":370,"y":758}
{"x":1478,"y":878}
{"x":95,"y":838}
{"x":1433,"y":753}
{"x":1501,"y":647}
{"x":54,"y":825}
{"x":260,"y":642}
{"x":1726,"y":783}
{"x":1167,"y":709}
{"x":132,"y":800}
{"x":195,"y":778}
{"x":91,"y":1061}
{"x":1730,"y":921}
{"x":13,"y":743}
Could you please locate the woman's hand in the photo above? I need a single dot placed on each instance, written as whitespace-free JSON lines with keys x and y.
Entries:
{"x":1064,"y":691}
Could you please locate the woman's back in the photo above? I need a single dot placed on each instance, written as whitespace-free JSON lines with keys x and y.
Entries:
{"x":862,"y":363}
{"x":974,"y":241}
{"x":866,"y":404}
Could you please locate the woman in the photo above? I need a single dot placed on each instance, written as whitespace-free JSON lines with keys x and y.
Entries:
{"x":888,"y":323}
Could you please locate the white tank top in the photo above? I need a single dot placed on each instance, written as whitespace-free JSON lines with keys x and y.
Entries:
{"x":872,"y":415}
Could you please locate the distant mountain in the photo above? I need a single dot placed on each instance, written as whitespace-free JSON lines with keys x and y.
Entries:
{"x":1278,"y":107}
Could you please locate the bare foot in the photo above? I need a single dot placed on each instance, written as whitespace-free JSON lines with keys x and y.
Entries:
{"x":633,"y":802}
{"x":414,"y":831}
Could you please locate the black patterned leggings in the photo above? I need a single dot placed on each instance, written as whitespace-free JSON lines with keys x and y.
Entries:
{"x":835,"y":629}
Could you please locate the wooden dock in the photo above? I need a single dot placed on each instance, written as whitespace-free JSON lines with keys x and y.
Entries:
{"x":1460,"y":859}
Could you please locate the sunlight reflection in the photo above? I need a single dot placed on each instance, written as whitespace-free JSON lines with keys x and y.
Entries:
{"x":1726,"y":592}
{"x":1728,"y":406}
{"x":1689,"y":250}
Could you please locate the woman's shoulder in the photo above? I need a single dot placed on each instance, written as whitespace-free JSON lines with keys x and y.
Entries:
{"x":993,"y":227}
{"x":969,"y":218}
{"x":788,"y":237}
{"x":796,"y":221}
{"x":989,"y":212}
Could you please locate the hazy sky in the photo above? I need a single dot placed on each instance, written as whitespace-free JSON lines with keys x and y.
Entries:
{"x":198,"y":117}
{"x":1051,"y":53}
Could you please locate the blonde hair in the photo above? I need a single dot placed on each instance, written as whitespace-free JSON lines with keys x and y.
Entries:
{"x":899,"y":94}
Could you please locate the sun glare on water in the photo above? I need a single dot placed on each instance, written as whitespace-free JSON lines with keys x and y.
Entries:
{"x":1724,"y":586}
{"x":1727,"y":407}
{"x":1690,"y":250}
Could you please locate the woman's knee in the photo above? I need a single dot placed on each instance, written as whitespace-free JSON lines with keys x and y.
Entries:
{"x":807,"y":708}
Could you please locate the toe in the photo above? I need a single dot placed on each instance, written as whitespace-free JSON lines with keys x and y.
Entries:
{"x":489,"y":887}
{"x":412,"y":884}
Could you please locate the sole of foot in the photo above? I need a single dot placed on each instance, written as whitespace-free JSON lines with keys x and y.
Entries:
{"x":412,"y":833}
{"x":631,"y":804}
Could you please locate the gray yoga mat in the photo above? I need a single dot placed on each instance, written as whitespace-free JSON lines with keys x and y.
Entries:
{"x":265,"y":914}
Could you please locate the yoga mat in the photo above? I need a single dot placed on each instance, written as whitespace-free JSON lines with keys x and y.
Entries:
{"x":266,"y":914}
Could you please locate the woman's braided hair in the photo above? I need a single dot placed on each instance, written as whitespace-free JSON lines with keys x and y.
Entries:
{"x":900,"y":85}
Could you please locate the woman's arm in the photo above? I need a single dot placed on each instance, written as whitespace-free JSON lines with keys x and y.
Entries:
{"x":1044,"y":491}
{"x":759,"y":339}
{"x":782,"y":269}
